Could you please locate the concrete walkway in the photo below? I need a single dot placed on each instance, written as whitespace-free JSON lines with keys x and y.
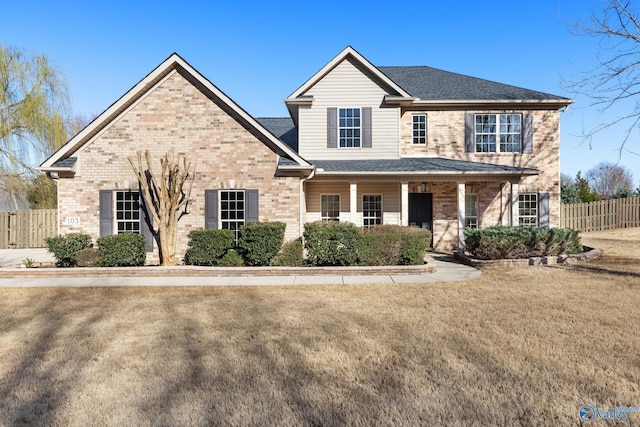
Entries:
{"x":446,"y":270}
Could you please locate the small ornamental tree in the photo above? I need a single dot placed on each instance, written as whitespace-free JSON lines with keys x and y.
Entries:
{"x":166,"y":196}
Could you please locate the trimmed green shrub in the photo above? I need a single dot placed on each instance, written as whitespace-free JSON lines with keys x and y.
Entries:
{"x":291,"y":255}
{"x":122,"y":250}
{"x":65,"y":248}
{"x":231,"y":259}
{"x":259,"y":242}
{"x":88,"y":257}
{"x":333,"y":243}
{"x":500,"y":242}
{"x":394,"y":245}
{"x":207,"y":247}
{"x":563,"y":240}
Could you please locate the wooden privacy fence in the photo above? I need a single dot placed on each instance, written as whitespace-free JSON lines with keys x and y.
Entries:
{"x":601,"y":215}
{"x":27,"y":229}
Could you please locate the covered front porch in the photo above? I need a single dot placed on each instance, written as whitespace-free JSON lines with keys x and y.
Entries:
{"x":443,"y":201}
{"x":444,"y":207}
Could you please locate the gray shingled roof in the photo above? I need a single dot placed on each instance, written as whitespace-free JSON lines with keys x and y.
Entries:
{"x":431,"y":84}
{"x":283,"y":128}
{"x":65,"y":163}
{"x":425,"y":165}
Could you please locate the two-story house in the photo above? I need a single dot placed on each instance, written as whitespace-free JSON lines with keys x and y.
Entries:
{"x":366,"y":144}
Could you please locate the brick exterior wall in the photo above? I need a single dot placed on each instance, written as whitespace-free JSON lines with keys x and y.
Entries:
{"x":446,"y":138}
{"x":177,"y":116}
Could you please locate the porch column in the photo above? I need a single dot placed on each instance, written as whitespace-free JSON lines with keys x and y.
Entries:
{"x":514,"y":204}
{"x":404,"y":202}
{"x":461,"y":213}
{"x":353,"y":202}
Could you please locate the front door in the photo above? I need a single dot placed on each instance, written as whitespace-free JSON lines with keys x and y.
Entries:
{"x":421,"y":210}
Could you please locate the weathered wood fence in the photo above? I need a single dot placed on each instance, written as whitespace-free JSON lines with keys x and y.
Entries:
{"x":601,"y":215}
{"x":27,"y":229}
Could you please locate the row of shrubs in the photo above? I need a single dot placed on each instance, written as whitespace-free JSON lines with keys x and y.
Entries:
{"x":259,"y":244}
{"x":501,"y":242}
{"x":76,"y":249}
{"x":343,"y":243}
{"x":327,"y":243}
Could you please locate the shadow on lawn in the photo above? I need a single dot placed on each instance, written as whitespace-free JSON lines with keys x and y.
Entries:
{"x":38,"y":385}
{"x":345,"y":369}
{"x":615,"y":266}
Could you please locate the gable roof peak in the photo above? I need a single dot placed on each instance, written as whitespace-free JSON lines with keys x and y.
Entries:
{"x":347,"y":52}
{"x":173,"y":63}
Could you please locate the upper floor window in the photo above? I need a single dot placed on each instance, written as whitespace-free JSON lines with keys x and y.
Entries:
{"x":349,"y":127}
{"x":127,"y":211}
{"x":371,"y":210}
{"x":330,"y":207}
{"x":419,"y":122}
{"x":528,"y":209}
{"x":498,"y":133}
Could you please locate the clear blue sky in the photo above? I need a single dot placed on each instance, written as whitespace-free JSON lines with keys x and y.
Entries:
{"x":260,"y":52}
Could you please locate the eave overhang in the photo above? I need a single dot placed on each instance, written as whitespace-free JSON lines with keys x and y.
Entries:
{"x":467,"y":104}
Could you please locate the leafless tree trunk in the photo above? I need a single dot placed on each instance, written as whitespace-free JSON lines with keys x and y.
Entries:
{"x":166,"y":197}
{"x":615,"y":80}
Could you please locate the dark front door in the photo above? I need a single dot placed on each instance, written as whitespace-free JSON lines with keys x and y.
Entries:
{"x":421,"y":210}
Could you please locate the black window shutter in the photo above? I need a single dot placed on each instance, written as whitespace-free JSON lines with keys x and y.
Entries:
{"x":106,"y":212}
{"x":332,"y":127}
{"x":366,"y":127}
{"x":543,"y":209}
{"x":469,"y":133}
{"x":146,"y":223}
{"x":251,"y":206}
{"x":210,"y":209}
{"x":527,"y":134}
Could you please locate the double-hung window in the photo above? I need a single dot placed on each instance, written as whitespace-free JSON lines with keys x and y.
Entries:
{"x":498,"y":133}
{"x":232,"y":210}
{"x":330,"y":207}
{"x":471,"y":211}
{"x":127,"y":211}
{"x":528,"y":209}
{"x":371,"y":210}
{"x":419,"y":125}
{"x":349,"y":127}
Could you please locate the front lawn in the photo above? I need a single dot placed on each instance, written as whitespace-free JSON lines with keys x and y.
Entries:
{"x":522,"y":346}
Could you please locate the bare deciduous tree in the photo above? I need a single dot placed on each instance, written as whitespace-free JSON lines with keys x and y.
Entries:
{"x":615,"y":80}
{"x":607,"y":179}
{"x":166,"y":196}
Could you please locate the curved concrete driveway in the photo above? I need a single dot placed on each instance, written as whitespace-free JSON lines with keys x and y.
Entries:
{"x":447,"y":270}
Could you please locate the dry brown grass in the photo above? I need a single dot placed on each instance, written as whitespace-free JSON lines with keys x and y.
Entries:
{"x":525,"y":346}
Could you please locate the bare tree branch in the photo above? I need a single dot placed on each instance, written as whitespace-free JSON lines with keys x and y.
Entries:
{"x":616,"y":77}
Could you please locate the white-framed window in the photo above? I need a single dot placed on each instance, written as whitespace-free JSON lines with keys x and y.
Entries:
{"x":419,"y":125}
{"x":232,"y":210}
{"x":471,"y":211}
{"x":330,"y":207}
{"x":349,"y":127}
{"x":371,"y":210}
{"x":528,"y":209}
{"x":498,"y":133}
{"x":127,"y":211}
